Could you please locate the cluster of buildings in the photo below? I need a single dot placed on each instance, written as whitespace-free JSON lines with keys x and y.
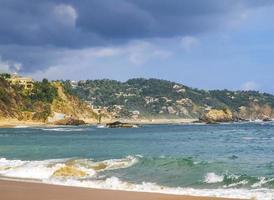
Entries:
{"x":26,"y":82}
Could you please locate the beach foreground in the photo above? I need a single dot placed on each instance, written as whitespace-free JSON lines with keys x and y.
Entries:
{"x":18,"y":190}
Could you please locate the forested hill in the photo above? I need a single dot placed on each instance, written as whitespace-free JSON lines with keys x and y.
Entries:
{"x":41,"y":102}
{"x":164,"y":99}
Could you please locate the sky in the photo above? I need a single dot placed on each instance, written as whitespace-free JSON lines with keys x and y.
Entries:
{"x":206,"y":44}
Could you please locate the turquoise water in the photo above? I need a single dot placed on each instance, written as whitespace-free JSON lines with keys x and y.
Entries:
{"x":210,"y":159}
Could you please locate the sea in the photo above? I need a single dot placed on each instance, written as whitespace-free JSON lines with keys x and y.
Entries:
{"x":221,"y":160}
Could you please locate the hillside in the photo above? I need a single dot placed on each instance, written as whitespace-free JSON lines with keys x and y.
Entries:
{"x":153,"y":98}
{"x":45,"y":102}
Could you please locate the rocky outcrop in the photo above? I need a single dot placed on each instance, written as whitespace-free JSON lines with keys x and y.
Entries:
{"x":215,"y":116}
{"x":70,"y":171}
{"x":70,"y":121}
{"x":69,"y":105}
{"x":118,"y":124}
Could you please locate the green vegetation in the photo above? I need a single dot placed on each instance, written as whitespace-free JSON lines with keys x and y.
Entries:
{"x":43,"y":91}
{"x":148,"y":98}
{"x":160,"y":98}
{"x":5,"y":76}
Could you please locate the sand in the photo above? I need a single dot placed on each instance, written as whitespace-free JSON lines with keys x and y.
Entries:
{"x":11,"y":123}
{"x":18,"y":190}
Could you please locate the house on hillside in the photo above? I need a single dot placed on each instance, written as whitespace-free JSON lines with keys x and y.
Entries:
{"x":26,"y":82}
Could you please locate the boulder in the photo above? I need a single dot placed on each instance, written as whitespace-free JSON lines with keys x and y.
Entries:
{"x":118,"y":124}
{"x":70,"y":121}
{"x":215,"y":116}
{"x":69,"y":171}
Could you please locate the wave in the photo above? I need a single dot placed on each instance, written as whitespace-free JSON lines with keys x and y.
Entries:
{"x":47,"y":169}
{"x":21,"y":126}
{"x":170,"y":162}
{"x":115,"y":183}
{"x":236,"y":181}
{"x":87,"y":173}
{"x":213,"y":178}
{"x":63,"y":129}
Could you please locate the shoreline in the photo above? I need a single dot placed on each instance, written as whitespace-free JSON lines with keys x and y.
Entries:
{"x":13,"y":123}
{"x":12,"y":189}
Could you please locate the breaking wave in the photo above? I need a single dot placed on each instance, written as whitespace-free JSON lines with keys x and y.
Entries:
{"x":87,"y":173}
{"x":47,"y":169}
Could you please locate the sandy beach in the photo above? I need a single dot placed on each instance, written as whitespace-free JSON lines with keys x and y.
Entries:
{"x":11,"y":123}
{"x":18,"y":190}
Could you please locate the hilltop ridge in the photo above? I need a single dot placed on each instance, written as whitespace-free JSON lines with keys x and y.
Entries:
{"x":134,"y":100}
{"x":154,"y":98}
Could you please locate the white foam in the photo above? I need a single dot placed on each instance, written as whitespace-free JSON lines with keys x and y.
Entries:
{"x":63,"y":129}
{"x":43,"y":170}
{"x":115,"y":183}
{"x":213,"y":178}
{"x":120,"y":163}
{"x":243,"y":182}
{"x":21,"y":126}
{"x":262,"y":181}
{"x":28,"y":169}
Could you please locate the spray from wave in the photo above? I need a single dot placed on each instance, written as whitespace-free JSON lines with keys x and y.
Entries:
{"x":86,"y":173}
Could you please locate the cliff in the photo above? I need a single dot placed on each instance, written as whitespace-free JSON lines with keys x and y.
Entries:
{"x":45,"y":102}
{"x":215,"y":115}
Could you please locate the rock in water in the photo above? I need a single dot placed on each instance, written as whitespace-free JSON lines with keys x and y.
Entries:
{"x":70,"y":121}
{"x":215,"y":116}
{"x":69,"y":171}
{"x":118,"y":124}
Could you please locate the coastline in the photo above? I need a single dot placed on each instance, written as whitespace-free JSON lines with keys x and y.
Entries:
{"x":31,"y":190}
{"x":160,"y":121}
{"x":12,"y":123}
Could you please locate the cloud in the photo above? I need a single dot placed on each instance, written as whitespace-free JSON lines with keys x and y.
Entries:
{"x":39,"y":34}
{"x":189,"y":42}
{"x":66,"y":14}
{"x":73,"y":23}
{"x":250,"y":85}
{"x":139,"y":53}
{"x":9,"y":66}
{"x":67,"y":63}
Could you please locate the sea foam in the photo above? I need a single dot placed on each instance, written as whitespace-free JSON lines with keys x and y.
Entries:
{"x":45,"y":170}
{"x":213,"y":178}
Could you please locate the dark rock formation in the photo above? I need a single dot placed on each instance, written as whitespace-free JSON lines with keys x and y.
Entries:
{"x":70,"y":121}
{"x":118,"y":124}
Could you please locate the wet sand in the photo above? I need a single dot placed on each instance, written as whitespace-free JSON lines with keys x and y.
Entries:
{"x":18,"y":190}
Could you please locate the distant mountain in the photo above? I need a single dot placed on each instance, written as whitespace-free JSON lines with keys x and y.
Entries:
{"x":154,"y":98}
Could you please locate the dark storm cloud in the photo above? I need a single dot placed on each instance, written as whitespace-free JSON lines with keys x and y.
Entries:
{"x":29,"y":28}
{"x":32,"y":22}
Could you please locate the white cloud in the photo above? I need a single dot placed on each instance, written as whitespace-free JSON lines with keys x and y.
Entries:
{"x":250,"y":85}
{"x":9,"y":67}
{"x":67,"y":63}
{"x":189,"y":42}
{"x":66,"y":14}
{"x":136,"y":53}
{"x":4,"y":66}
{"x":141,"y":52}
